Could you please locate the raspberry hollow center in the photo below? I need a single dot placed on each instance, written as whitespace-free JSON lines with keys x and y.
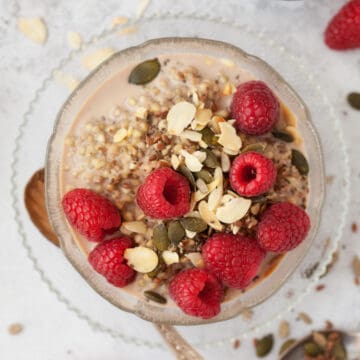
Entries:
{"x":248,"y":173}
{"x":170,"y":193}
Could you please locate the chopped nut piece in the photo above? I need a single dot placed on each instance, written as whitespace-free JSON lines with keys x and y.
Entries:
{"x":284,"y":329}
{"x":175,"y":162}
{"x":135,"y":226}
{"x":196,"y":259}
{"x":141,"y":258}
{"x":33,"y":28}
{"x":120,"y":135}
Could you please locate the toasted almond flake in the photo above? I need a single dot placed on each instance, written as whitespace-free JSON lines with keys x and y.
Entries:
{"x":190,"y":234}
{"x":179,"y":117}
{"x":128,"y":30}
{"x":201,"y":185}
{"x":195,"y":97}
{"x":135,"y":226}
{"x":222,"y":113}
{"x":141,"y":8}
{"x":295,"y":133}
{"x":191,"y":161}
{"x":202,"y":118}
{"x":214,"y":123}
{"x":66,"y":80}
{"x":175,"y":162}
{"x":193,"y":214}
{"x":208,"y":216}
{"x":235,"y":228}
{"x":170,"y":257}
{"x":215,"y":198}
{"x":196,"y":259}
{"x":225,"y":162}
{"x":119,"y":20}
{"x":33,"y":28}
{"x":203,"y":144}
{"x":227,"y":62}
{"x":198,"y":195}
{"x":141,"y":112}
{"x":227,"y":198}
{"x":233,"y":210}
{"x":232,"y":193}
{"x":200,"y":155}
{"x":92,"y":60}
{"x":141,"y":258}
{"x":191,"y":135}
{"x":228,"y":89}
{"x":74,"y":39}
{"x":228,"y":137}
{"x":193,"y":202}
{"x":120,"y":135}
{"x":230,"y":151}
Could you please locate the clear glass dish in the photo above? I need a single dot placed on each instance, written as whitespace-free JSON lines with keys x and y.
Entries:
{"x":65,"y":282}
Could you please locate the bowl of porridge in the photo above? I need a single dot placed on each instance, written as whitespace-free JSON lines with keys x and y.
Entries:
{"x":184,"y":179}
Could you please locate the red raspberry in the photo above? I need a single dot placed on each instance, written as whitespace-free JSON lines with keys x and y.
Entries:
{"x":107,"y":259}
{"x":255,"y":108}
{"x":91,"y":214}
{"x":282,"y":227}
{"x":234,"y":258}
{"x":165,"y":194}
{"x":343,"y":31}
{"x":252,"y":174}
{"x":197,"y":293}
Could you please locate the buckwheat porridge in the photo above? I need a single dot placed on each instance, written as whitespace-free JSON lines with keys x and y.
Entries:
{"x":205,"y":177}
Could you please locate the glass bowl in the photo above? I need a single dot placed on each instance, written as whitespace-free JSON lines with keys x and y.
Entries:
{"x":150,"y":49}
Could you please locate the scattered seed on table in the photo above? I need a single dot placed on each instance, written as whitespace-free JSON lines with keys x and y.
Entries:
{"x":354,"y":227}
{"x":15,"y":328}
{"x":305,"y":318}
{"x":236,"y":344}
{"x":320,"y":287}
{"x":284,"y":329}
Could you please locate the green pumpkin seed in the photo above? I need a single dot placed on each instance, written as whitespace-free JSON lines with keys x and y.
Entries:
{"x":175,"y":232}
{"x":259,"y":199}
{"x":144,"y":72}
{"x":258,"y":147}
{"x":204,"y":175}
{"x":312,"y":349}
{"x":189,"y":175}
{"x":211,"y":160}
{"x":154,"y":296}
{"x":286,"y":345}
{"x":193,"y":224}
{"x":339,"y":351}
{"x":208,"y":136}
{"x":284,"y":136}
{"x":299,"y":161}
{"x":160,"y":237}
{"x":264,"y":345}
{"x":354,"y":100}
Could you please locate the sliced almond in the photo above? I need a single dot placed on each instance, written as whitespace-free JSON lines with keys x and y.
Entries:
{"x":227,"y":198}
{"x":202,"y":118}
{"x":201,"y":155}
{"x":141,"y":258}
{"x":208,"y":216}
{"x":175,"y":162}
{"x":170,"y":257}
{"x":215,"y":198}
{"x":190,"y":234}
{"x":214,"y":123}
{"x":196,"y":259}
{"x":33,"y":28}
{"x":179,"y":117}
{"x":230,"y":151}
{"x":92,"y":60}
{"x":193,"y":214}
{"x":141,"y":112}
{"x":201,"y":185}
{"x":120,"y":135}
{"x":295,"y":134}
{"x":119,"y":20}
{"x":191,"y":135}
{"x":235,"y":228}
{"x":198,"y":195}
{"x":191,"y":161}
{"x":225,"y":162}
{"x":233,"y":210}
{"x":74,"y":39}
{"x":67,"y":80}
{"x":135,"y":226}
{"x":228,"y":137}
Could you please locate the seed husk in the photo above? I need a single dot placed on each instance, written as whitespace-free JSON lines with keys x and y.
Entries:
{"x":312,"y":349}
{"x":211,"y":160}
{"x":160,"y":237}
{"x":354,"y":100}
{"x":175,"y":232}
{"x":189,"y":175}
{"x":264,"y":345}
{"x":208,"y":136}
{"x":286,"y":345}
{"x":154,"y":296}
{"x":193,"y":224}
{"x":144,"y":72}
{"x":284,"y":136}
{"x":299,"y":161}
{"x":258,"y":147}
{"x":204,"y":175}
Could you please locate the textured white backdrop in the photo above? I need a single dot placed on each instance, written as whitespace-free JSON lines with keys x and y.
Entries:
{"x":50,"y":330}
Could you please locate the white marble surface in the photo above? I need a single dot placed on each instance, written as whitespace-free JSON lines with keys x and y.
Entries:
{"x":50,"y":330}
